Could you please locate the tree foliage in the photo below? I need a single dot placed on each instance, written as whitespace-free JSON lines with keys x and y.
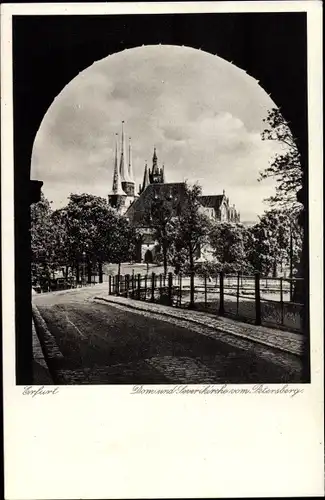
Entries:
{"x":121,"y":241}
{"x":42,"y":247}
{"x":276,"y":240}
{"x":160,"y":220}
{"x":87,"y":232}
{"x":190,"y":228}
{"x":227,"y":240}
{"x":285,"y":167}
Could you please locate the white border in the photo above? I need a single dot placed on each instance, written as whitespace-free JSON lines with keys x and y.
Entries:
{"x":113,"y":8}
{"x":100,"y":442}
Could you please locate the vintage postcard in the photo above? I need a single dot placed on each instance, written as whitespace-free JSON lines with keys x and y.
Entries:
{"x":162,"y":249}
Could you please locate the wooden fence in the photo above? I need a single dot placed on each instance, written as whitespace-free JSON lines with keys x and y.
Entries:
{"x":257,"y":299}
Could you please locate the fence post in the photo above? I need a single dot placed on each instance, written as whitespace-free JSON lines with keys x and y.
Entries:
{"x":132,"y":284}
{"x":238,"y":284}
{"x":180,"y":290}
{"x":153,"y":287}
{"x":281,"y":300}
{"x":257,"y":300}
{"x":205,"y":291}
{"x":127,"y":285}
{"x":221,"y":302}
{"x":145,"y":286}
{"x":170,"y":287}
{"x":139,"y":286}
{"x":109,"y":285}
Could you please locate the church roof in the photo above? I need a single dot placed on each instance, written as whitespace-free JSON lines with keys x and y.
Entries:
{"x":137,"y":213}
{"x":213,"y":201}
{"x":174,"y":192}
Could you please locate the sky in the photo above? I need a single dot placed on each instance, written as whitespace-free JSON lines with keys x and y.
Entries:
{"x":202,"y":113}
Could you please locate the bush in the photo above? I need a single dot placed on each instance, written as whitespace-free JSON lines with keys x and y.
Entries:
{"x":207,"y":268}
{"x":211,"y":268}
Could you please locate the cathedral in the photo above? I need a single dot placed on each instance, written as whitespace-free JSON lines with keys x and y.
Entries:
{"x":137,"y":206}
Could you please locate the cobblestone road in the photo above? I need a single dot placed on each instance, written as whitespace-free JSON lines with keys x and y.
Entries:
{"x":88,"y":342}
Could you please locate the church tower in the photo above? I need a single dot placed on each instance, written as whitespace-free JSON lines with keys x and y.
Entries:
{"x":126,"y":171}
{"x":146,"y":180}
{"x":125,"y":168}
{"x":130,"y":169}
{"x":157,"y":174}
{"x":117,"y":197}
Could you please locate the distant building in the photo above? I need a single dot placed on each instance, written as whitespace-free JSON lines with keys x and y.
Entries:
{"x":137,"y":207}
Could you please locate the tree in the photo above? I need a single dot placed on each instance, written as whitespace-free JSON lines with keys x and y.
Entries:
{"x":191,"y":228}
{"x":286,"y":166}
{"x":121,"y":241}
{"x":160,"y":219}
{"x":227,"y":240}
{"x":274,"y":241}
{"x":95,"y":232}
{"x":42,"y":249}
{"x":61,"y":256}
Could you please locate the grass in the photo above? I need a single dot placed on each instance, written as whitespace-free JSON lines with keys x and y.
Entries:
{"x":270,"y":311}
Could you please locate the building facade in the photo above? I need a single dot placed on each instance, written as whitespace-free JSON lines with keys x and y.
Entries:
{"x":137,"y":206}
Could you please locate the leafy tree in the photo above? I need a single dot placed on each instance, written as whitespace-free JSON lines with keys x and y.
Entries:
{"x":121,"y":241}
{"x":62,"y":257}
{"x":228,"y":243}
{"x":95,"y":233}
{"x":191,"y":228}
{"x":275,"y":240}
{"x":160,"y":219}
{"x":286,"y":166}
{"x":42,"y":248}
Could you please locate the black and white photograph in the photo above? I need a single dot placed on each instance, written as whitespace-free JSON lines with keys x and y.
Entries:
{"x":161,"y":190}
{"x":168,"y":207}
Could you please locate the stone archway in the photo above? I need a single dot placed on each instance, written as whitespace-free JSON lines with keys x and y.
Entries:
{"x":40,"y":76}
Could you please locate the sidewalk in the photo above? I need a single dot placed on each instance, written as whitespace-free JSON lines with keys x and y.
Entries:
{"x":289,"y":342}
{"x":41,"y":374}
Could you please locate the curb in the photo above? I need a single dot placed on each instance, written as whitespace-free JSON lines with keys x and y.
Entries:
{"x":47,"y":345}
{"x":220,"y":328}
{"x":41,"y":372}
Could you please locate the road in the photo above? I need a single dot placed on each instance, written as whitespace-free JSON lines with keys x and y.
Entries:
{"x":97,"y":343}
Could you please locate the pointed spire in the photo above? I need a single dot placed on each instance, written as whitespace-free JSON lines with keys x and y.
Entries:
{"x":155,"y":162}
{"x":130,"y":169}
{"x":117,"y":186}
{"x":146,"y":180}
{"x":123,"y":168}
